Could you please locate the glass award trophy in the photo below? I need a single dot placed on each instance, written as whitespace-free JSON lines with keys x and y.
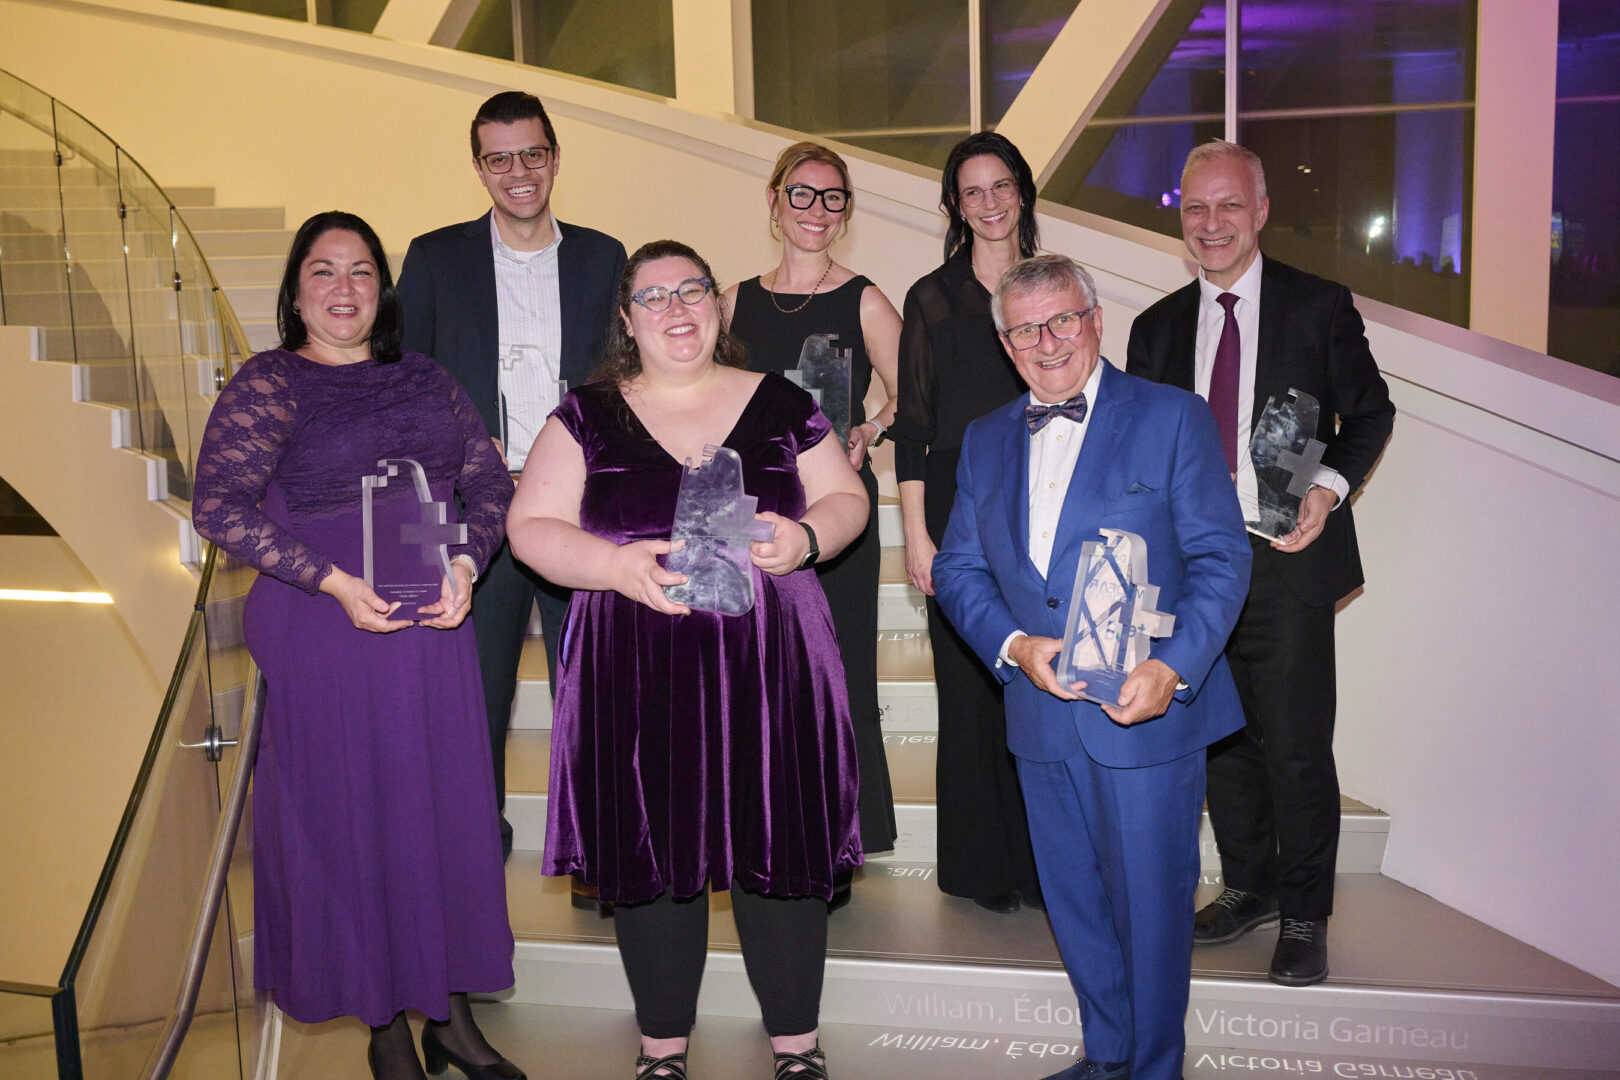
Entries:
{"x":714,"y":521}
{"x":825,"y":371}
{"x":406,"y":536}
{"x":1285,"y":458}
{"x":1111,"y":616}
{"x":529,"y":390}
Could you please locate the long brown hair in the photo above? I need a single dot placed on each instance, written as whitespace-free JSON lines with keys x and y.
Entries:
{"x":621,"y":360}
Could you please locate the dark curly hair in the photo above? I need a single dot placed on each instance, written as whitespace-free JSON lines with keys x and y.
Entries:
{"x":621,"y":360}
{"x":385,"y":330}
{"x":958,"y":237}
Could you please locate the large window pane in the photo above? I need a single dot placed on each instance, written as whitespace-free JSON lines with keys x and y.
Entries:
{"x":1017,"y":34}
{"x":1583,"y":324}
{"x":1376,"y":202}
{"x":888,"y":75}
{"x":1299,"y":54}
{"x":281,"y":9}
{"x":489,"y":31}
{"x":1126,"y":164}
{"x":1360,"y":110}
{"x":359,"y":15}
{"x":626,"y":42}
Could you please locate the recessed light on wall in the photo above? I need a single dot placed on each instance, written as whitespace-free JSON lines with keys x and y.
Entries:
{"x":52,"y":596}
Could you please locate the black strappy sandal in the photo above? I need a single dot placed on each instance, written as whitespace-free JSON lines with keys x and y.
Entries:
{"x":674,"y":1067}
{"x":810,"y":1065}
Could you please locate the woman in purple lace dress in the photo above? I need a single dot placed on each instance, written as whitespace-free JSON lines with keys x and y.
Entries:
{"x":378,"y":884}
{"x":692,"y":749}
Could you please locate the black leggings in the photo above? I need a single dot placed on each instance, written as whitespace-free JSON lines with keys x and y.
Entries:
{"x":664,"y":942}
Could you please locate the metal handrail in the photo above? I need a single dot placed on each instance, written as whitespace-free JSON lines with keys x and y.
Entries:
{"x":185,"y":1006}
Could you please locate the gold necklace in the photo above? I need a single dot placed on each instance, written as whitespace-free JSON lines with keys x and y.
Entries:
{"x":812,"y":296}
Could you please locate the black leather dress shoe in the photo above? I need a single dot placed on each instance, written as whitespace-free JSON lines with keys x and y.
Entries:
{"x":1231,"y":915}
{"x":1301,"y":956}
{"x":1001,"y":903}
{"x":436,"y":1056}
{"x":1086,"y":1069}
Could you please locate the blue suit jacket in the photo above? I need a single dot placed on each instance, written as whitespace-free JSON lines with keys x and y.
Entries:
{"x":1151,"y":464}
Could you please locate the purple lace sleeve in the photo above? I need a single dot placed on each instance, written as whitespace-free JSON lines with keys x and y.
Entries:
{"x":246,"y":435}
{"x":484,"y":484}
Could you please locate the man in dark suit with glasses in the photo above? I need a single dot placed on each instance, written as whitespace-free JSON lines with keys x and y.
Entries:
{"x":512,"y":303}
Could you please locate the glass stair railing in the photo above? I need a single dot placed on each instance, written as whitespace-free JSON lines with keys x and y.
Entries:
{"x":95,"y":253}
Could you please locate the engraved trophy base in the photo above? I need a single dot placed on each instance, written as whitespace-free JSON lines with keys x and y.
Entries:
{"x":1102,"y":686}
{"x":405,"y":537}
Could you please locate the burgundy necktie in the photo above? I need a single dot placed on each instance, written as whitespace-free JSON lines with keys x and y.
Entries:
{"x":1223,"y":381}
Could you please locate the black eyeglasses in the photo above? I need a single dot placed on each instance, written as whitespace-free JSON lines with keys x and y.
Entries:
{"x":1000,"y":191}
{"x":803,"y":197}
{"x":535,"y":157}
{"x":1062,"y":328}
{"x":657,"y":297}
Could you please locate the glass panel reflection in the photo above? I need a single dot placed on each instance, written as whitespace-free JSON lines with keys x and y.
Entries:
{"x":149,"y":240}
{"x":33,"y":268}
{"x":1583,"y":322}
{"x":624,"y":42}
{"x":887,"y":75}
{"x":92,"y":217}
{"x":127,"y":982}
{"x":27,"y":1039}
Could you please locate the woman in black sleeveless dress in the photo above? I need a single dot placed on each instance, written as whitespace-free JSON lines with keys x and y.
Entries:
{"x":809,"y":199}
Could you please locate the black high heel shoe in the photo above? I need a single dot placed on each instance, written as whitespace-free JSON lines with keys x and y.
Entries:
{"x":673,"y":1066}
{"x":436,"y":1055}
{"x":810,"y":1065}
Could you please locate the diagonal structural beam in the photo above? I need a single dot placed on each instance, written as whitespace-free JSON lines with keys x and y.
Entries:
{"x":1070,"y":82}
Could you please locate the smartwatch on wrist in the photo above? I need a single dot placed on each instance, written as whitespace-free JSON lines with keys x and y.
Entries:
{"x":882,"y":432}
{"x":814,"y":553}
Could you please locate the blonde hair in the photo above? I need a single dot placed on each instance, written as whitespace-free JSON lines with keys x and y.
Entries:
{"x":803,"y":153}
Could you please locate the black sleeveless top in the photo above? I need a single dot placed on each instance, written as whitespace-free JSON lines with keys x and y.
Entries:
{"x":774,"y":338}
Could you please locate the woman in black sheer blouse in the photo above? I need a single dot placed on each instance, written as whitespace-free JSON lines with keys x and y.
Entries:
{"x":952,"y":371}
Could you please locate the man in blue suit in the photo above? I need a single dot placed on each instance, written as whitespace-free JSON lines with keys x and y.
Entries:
{"x":1114,"y":792}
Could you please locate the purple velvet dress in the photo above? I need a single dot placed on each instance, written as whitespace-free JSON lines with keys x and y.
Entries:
{"x":377,"y":874}
{"x":702,"y":748}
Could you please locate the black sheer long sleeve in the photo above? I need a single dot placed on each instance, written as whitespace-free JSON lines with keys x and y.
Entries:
{"x":914,"y":423}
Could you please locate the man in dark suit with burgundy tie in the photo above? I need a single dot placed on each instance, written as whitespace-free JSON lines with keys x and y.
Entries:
{"x":1247,"y":330}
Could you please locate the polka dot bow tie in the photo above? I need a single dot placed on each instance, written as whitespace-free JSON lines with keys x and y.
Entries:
{"x":1037,"y":416}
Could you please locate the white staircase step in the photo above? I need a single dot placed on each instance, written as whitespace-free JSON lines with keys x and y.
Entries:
{"x":1363,"y":831}
{"x":1413,"y":981}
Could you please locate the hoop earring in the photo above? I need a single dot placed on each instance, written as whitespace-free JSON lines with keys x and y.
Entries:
{"x":296,"y":309}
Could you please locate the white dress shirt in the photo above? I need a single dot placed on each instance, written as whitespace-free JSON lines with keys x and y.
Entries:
{"x":529,"y":304}
{"x":1211,"y":321}
{"x":1053,"y":453}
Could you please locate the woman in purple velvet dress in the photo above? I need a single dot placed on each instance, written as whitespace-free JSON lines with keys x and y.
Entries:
{"x":692,"y":749}
{"x":377,"y":875}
